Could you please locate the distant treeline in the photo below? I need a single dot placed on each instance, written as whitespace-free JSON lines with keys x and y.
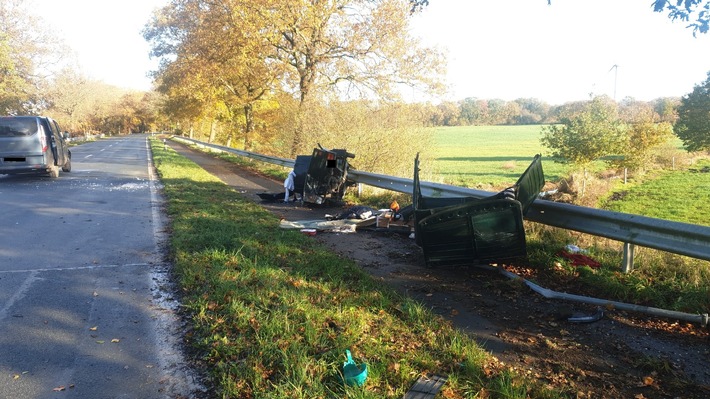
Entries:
{"x":530,"y":111}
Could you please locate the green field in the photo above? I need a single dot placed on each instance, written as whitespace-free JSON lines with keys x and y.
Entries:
{"x":492,"y":157}
{"x":484,"y":156}
{"x":682,"y":196}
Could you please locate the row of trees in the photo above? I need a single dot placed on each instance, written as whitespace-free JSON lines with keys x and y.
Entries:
{"x":531,"y":111}
{"x":38,"y":75}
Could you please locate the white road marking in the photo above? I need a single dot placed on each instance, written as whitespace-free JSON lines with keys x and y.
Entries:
{"x":19,"y":294}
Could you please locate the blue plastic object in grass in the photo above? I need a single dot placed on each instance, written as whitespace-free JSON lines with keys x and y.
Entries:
{"x":352,"y":373}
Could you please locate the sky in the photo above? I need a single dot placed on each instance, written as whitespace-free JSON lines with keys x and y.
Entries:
{"x":504,"y":49}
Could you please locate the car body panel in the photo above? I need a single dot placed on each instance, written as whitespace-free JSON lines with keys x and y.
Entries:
{"x":468,"y":230}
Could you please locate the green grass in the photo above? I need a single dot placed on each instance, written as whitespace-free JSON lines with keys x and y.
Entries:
{"x":659,"y":279}
{"x":272,"y":312}
{"x":483,"y":156}
{"x":682,"y":196}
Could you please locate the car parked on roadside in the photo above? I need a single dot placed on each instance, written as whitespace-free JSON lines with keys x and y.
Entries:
{"x":33,"y":144}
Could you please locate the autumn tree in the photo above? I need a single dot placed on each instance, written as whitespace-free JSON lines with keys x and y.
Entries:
{"x":645,"y":131}
{"x":214,"y":61}
{"x":693,"y":125}
{"x":27,"y":52}
{"x":70,"y":99}
{"x":357,"y":48}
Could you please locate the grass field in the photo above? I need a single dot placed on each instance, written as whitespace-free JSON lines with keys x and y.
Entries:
{"x":484,"y":156}
{"x":682,"y":196}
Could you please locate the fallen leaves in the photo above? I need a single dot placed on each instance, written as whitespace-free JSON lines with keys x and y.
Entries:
{"x":17,"y":376}
{"x":96,"y":328}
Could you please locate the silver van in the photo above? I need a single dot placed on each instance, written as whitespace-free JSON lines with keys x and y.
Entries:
{"x":32,"y":144}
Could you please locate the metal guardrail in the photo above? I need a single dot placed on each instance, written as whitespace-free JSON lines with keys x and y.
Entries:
{"x":674,"y":237}
{"x":289,"y":163}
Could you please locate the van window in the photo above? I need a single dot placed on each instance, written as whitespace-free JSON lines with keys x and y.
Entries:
{"x":17,"y":127}
{"x":55,"y":129}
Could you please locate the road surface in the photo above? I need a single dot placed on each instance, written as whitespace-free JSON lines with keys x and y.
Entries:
{"x":85,"y":304}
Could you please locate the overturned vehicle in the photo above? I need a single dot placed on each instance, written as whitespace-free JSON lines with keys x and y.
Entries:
{"x":322,"y":176}
{"x":469,"y":230}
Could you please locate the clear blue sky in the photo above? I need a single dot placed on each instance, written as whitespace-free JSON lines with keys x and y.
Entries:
{"x":503,"y":49}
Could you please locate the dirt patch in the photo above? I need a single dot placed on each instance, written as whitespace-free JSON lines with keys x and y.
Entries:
{"x":621,"y":356}
{"x":618,"y":195}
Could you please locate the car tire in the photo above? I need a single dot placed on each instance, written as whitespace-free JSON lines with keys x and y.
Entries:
{"x":67,"y":166}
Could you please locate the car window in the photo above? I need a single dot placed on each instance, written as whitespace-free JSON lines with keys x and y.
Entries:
{"x":17,"y":127}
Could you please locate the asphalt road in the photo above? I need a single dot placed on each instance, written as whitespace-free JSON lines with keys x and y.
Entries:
{"x":85,"y":304}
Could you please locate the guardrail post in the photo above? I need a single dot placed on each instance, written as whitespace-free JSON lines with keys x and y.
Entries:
{"x":359,"y":190}
{"x":628,"y":261}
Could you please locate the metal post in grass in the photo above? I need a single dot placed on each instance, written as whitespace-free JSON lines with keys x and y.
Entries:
{"x":628,"y":260}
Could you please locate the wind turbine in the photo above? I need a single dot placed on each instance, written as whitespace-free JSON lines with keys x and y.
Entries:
{"x":615,"y":67}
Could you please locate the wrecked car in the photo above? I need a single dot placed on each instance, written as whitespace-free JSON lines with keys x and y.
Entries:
{"x":322,"y":176}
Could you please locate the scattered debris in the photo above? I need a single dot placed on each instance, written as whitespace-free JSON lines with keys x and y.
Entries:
{"x":587,"y":318}
{"x":355,"y":212}
{"x":571,"y":248}
{"x":426,"y":387}
{"x":334,"y":226}
{"x":578,"y":259}
{"x":354,"y":374}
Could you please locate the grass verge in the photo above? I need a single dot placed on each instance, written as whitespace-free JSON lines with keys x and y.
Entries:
{"x":273,"y":312}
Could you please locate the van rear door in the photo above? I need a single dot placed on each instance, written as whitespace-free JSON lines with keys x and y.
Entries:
{"x":19,"y":139}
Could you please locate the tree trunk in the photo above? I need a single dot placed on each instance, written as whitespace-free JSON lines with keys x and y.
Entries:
{"x":213,"y":131}
{"x":249,"y":125}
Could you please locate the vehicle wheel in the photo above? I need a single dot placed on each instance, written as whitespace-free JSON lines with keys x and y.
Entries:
{"x":67,"y":166}
{"x":53,"y":171}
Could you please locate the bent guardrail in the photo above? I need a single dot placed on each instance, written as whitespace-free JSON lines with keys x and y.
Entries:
{"x":674,"y":237}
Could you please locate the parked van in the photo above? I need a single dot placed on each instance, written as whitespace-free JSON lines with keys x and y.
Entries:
{"x":33,"y":144}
